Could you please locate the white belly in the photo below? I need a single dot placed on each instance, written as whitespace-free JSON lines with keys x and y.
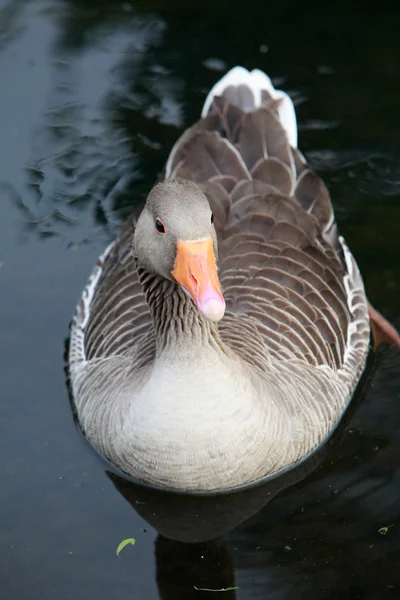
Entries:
{"x":187,"y":429}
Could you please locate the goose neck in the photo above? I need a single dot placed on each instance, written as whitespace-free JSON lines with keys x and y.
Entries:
{"x":177,"y":321}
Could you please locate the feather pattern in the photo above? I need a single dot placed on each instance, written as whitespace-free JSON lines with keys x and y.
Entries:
{"x":296,"y":312}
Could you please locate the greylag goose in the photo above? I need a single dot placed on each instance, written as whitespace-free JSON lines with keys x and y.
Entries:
{"x":197,"y":378}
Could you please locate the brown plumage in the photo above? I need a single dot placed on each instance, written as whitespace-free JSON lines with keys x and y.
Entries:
{"x":178,"y":401}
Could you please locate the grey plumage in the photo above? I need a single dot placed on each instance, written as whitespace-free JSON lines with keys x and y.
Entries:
{"x":294,"y":337}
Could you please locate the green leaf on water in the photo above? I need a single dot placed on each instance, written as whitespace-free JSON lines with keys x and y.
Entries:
{"x":124,"y":543}
{"x":229,"y":589}
{"x":384,"y":530}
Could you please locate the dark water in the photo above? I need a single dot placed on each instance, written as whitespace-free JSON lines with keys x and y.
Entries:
{"x":92,"y":96}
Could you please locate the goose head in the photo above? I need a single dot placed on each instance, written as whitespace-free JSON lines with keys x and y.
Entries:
{"x":175,"y":239}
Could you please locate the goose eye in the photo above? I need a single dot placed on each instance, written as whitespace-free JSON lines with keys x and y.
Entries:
{"x":160,"y":226}
{"x":212,"y":218}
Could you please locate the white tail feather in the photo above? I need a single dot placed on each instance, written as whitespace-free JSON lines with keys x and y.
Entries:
{"x":256,"y":81}
{"x":234,"y":77}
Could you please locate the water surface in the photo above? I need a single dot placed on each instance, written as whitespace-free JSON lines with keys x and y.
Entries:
{"x":93,"y":95}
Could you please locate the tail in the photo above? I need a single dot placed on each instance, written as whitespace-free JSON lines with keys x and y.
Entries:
{"x":249,"y":90}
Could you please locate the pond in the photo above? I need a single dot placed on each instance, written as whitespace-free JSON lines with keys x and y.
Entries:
{"x":93,"y":96}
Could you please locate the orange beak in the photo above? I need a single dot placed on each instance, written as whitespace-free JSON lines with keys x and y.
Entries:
{"x":196,"y":271}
